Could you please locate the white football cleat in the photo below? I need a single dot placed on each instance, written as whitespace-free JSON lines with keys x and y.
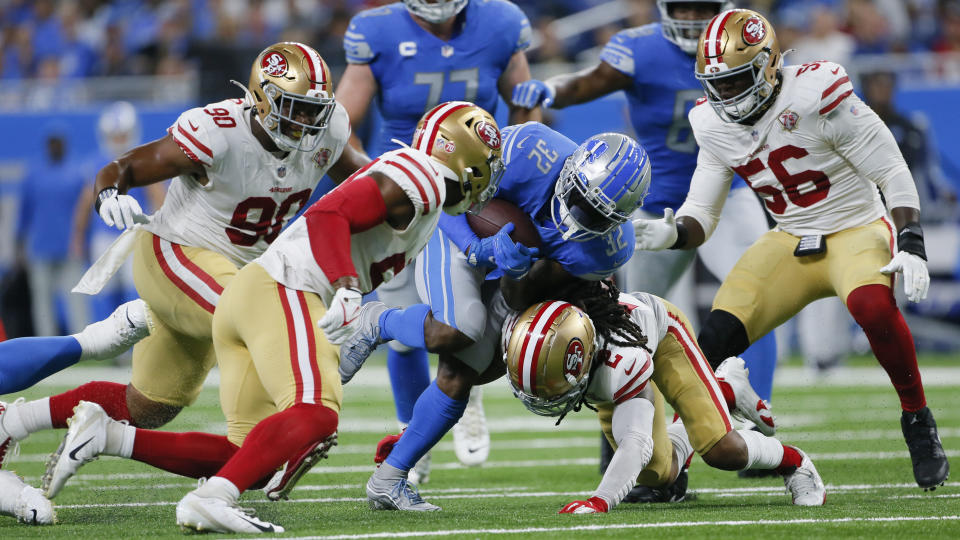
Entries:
{"x":83,"y":443}
{"x":397,"y":494}
{"x":282,"y":483}
{"x":749,"y":406}
{"x":8,"y":441}
{"x":26,"y":503}
{"x":213,"y":514}
{"x":111,"y":337}
{"x":805,"y":485}
{"x":361,"y":344}
{"x":471,"y":439}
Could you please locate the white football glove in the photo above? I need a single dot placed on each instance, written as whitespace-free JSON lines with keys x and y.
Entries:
{"x":916,"y":278}
{"x":121,"y":211}
{"x":343,"y":315}
{"x":655,"y":234}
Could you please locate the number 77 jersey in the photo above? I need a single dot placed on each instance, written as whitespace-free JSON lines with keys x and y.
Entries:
{"x":248,"y":194}
{"x":815,"y":157}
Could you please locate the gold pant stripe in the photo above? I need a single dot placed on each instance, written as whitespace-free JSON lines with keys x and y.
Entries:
{"x":198,"y":285}
{"x":700,"y":365}
{"x":303,"y":347}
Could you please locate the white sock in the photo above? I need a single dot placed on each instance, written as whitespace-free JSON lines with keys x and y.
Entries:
{"x":120,"y":437}
{"x":220,"y":488}
{"x":763,"y":452}
{"x":682,"y":448}
{"x":36,"y":415}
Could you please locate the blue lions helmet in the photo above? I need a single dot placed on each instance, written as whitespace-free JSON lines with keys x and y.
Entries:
{"x":601,"y":184}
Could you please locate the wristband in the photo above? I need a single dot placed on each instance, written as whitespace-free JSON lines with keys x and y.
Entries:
{"x":104,"y":194}
{"x":910,"y":239}
{"x":682,"y":234}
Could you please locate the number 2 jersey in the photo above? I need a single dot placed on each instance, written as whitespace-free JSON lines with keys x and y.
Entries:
{"x":416,"y":70}
{"x":378,"y":253}
{"x":250,"y":193}
{"x":816,"y":157}
{"x":623,"y":372}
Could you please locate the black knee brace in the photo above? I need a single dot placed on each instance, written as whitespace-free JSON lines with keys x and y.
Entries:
{"x":721,"y":337}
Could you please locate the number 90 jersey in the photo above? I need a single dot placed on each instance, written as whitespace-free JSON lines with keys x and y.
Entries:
{"x":248,"y":194}
{"x":623,"y":372}
{"x":815,"y":157}
{"x":415,"y":70}
{"x":378,"y":253}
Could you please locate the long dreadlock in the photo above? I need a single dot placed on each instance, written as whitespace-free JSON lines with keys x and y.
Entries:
{"x":600,"y":300}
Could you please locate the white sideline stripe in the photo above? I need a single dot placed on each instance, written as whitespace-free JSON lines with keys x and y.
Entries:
{"x":620,"y":526}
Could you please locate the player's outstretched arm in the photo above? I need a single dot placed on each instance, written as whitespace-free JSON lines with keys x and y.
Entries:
{"x":517,"y":72}
{"x":542,"y":282}
{"x":147,"y":164}
{"x":351,"y":160}
{"x":570,"y":89}
{"x":355,"y":92}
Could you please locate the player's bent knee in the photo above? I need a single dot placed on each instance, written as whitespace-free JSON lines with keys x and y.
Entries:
{"x":321,"y":419}
{"x":147,"y":413}
{"x":872,"y":306}
{"x":722,"y":336}
{"x":442,"y":338}
{"x":729,"y":454}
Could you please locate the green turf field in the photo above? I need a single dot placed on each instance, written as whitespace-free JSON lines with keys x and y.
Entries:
{"x":849,"y":424}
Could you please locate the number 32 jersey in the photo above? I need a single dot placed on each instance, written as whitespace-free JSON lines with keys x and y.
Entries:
{"x":815,"y":157}
{"x":249,"y":194}
{"x":415,"y":70}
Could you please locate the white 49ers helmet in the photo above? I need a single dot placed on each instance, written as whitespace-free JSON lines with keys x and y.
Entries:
{"x":738,"y":50}
{"x":464,"y":141}
{"x":293,"y":93}
{"x":549,"y":350}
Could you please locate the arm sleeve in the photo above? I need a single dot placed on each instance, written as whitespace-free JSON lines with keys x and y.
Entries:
{"x":457,"y":228}
{"x":858,"y":134}
{"x":351,"y":208}
{"x":633,"y":433}
{"x":708,"y":192}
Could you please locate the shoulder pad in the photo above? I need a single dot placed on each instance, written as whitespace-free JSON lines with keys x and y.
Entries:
{"x":200,"y":131}
{"x":823,"y":85}
{"x":359,"y":41}
{"x":515,"y":135}
{"x":416,"y":174}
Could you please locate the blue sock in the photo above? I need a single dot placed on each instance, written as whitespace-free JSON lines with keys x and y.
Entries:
{"x":433,"y":415}
{"x":409,"y":377}
{"x":405,"y":325}
{"x":26,"y":361}
{"x":761,"y":359}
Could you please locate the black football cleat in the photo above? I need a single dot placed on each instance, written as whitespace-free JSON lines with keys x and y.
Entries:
{"x":930,"y":466}
{"x":675,"y":492}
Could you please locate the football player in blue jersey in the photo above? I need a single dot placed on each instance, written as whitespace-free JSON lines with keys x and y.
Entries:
{"x":654,"y":66}
{"x":580,"y":200}
{"x":409,"y":57}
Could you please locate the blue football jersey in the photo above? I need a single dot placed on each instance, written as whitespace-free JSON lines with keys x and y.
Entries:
{"x":663,"y":92}
{"x":415,"y":70}
{"x":533,"y":155}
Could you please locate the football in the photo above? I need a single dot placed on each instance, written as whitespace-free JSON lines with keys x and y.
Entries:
{"x":497,"y":214}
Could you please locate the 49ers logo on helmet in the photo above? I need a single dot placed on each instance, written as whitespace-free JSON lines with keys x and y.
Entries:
{"x":573,"y":359}
{"x":754,"y":31}
{"x":488,"y":133}
{"x":274,"y":64}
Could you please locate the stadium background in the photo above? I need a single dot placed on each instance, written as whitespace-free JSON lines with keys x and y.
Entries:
{"x":63,"y":62}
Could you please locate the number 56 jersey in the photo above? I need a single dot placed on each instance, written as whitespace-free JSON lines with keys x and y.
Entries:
{"x":815,"y":157}
{"x":248,"y":194}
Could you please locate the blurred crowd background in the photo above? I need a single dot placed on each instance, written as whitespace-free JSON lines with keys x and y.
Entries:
{"x":83,"y":80}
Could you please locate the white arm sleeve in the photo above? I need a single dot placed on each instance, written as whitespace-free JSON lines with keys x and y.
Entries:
{"x":861,"y":137}
{"x":708,"y":191}
{"x":633,"y":432}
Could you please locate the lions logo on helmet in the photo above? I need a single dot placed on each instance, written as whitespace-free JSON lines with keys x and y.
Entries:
{"x":601,"y":184}
{"x":740,"y":48}
{"x":469,"y":155}
{"x":549,"y":350}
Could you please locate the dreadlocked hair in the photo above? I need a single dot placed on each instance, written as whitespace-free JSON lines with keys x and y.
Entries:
{"x":600,"y":300}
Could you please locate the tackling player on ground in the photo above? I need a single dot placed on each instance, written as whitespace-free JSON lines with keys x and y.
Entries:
{"x":280,"y":391}
{"x":600,"y":348}
{"x":408,"y":57}
{"x":816,"y":154}
{"x":242,"y":168}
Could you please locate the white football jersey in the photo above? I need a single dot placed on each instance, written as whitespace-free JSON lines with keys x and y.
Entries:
{"x":624,"y":371}
{"x":249,"y":194}
{"x":815,"y":157}
{"x":378,"y":253}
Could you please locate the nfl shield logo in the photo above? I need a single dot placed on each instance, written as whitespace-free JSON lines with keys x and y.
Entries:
{"x":282,"y":171}
{"x":789,"y":120}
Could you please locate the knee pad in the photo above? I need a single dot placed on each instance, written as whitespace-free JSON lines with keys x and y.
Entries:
{"x":722,"y":336}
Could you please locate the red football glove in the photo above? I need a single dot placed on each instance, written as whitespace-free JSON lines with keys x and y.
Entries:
{"x":593,"y":505}
{"x":385,"y":446}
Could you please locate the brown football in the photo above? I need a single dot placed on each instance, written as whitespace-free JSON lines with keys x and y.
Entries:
{"x":497,"y":214}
